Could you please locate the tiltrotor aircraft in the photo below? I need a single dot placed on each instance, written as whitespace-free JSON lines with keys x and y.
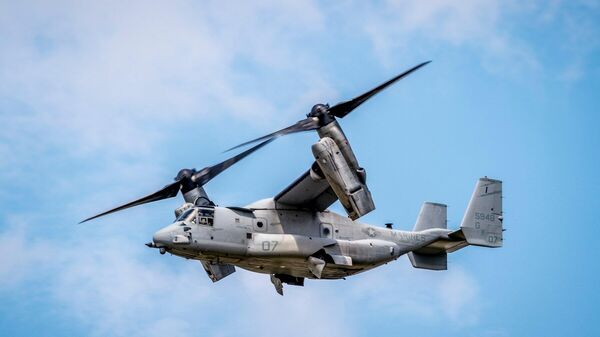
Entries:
{"x":293,"y":236}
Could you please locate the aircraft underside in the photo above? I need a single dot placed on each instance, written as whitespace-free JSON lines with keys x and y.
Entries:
{"x":298,"y":267}
{"x":292,"y":266}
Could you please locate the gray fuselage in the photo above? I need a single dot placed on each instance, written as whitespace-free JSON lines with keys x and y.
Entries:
{"x":267,"y":237}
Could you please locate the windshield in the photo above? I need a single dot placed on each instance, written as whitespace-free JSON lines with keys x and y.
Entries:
{"x":206,"y":216}
{"x":185,"y":214}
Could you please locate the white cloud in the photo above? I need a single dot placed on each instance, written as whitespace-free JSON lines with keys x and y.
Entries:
{"x":580,"y":40}
{"x":31,"y":253}
{"x":102,"y":75}
{"x":401,"y":27}
{"x":458,"y":293}
{"x":108,"y":286}
{"x":101,"y":85}
{"x":438,"y":297}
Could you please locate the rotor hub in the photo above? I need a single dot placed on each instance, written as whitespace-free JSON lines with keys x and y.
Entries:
{"x":318,"y":110}
{"x":321,"y":112}
{"x":185,"y":173}
{"x":185,"y":177}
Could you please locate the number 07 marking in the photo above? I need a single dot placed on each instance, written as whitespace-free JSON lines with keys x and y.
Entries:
{"x":269,"y":245}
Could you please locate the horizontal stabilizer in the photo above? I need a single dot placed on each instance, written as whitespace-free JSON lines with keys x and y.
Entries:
{"x":431,"y":262}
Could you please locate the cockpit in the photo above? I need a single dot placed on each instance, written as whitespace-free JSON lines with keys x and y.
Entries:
{"x":198,"y":215}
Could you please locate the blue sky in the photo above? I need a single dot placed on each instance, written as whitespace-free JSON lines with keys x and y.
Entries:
{"x":104,"y":102}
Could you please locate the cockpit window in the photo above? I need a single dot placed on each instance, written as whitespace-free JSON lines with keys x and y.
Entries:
{"x":185,"y":214}
{"x":206,"y":216}
{"x":201,"y":216}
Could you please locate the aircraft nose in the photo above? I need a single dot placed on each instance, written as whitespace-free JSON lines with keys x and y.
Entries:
{"x":162,"y":237}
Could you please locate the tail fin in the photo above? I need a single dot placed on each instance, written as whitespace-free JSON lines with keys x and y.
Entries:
{"x":432,"y":215}
{"x":482,"y":223}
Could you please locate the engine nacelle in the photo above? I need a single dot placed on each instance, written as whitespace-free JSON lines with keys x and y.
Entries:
{"x":350,"y":189}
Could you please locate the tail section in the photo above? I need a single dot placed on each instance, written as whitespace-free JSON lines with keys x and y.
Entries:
{"x":482,"y":223}
{"x":481,"y":226}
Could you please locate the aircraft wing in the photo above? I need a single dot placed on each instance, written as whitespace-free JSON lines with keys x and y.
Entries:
{"x":308,"y":193}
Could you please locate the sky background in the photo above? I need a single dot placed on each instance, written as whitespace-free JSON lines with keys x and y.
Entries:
{"x":103,"y":102}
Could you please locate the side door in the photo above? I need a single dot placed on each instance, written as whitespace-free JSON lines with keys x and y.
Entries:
{"x":204,"y":224}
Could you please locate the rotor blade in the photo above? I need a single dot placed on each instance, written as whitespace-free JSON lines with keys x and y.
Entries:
{"x":168,"y":191}
{"x":344,"y":108}
{"x":307,"y":124}
{"x":171,"y":190}
{"x":206,"y":174}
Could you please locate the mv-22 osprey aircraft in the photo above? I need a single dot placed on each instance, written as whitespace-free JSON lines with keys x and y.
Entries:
{"x":293,"y":236}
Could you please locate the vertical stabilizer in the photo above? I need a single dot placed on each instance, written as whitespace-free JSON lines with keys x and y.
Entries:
{"x":482,"y":223}
{"x":432,"y":215}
